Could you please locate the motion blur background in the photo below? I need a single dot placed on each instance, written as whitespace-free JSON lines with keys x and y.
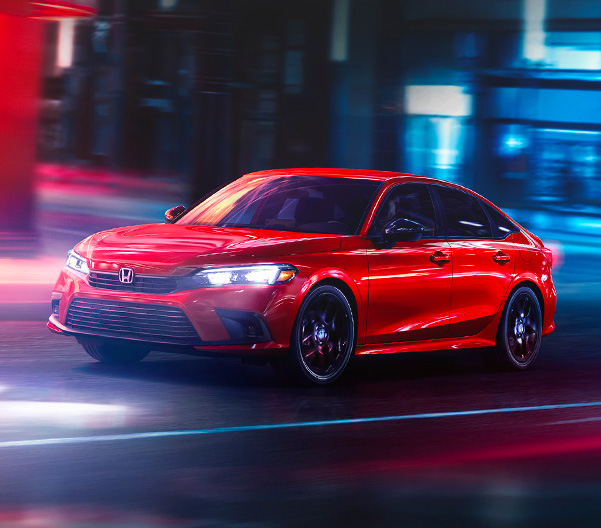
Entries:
{"x":111,"y":111}
{"x":151,"y":102}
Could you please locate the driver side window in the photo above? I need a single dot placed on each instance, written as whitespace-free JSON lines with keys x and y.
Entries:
{"x":407,"y":200}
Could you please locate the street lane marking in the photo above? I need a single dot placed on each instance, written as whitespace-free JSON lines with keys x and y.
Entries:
{"x":288,"y":425}
{"x":579,"y":420}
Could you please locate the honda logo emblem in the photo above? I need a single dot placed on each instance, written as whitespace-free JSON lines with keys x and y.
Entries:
{"x":126,"y":275}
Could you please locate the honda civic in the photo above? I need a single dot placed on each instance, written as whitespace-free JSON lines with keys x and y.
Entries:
{"x":306,"y":268}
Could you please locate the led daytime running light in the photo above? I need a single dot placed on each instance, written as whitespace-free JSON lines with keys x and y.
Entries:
{"x":261,"y":274}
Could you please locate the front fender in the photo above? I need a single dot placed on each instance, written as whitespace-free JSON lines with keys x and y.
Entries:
{"x":339,"y":275}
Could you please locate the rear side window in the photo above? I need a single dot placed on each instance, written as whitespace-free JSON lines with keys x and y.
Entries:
{"x":462,"y":214}
{"x":407,"y":200}
{"x":501,"y":225}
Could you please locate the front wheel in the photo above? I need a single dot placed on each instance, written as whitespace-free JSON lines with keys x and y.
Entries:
{"x":322,"y":340}
{"x":520,"y":331}
{"x":115,"y":353}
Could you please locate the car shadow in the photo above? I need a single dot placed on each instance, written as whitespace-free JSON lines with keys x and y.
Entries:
{"x":168,"y":368}
{"x":379,"y":385}
{"x":172,"y":369}
{"x":418,"y":365}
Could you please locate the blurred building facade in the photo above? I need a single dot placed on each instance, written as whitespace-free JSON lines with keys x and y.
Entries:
{"x":22,"y":35}
{"x":502,"y":96}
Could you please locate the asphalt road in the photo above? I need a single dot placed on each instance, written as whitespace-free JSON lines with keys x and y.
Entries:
{"x":431,"y":439}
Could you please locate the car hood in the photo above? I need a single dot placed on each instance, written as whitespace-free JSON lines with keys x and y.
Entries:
{"x":174,"y":248}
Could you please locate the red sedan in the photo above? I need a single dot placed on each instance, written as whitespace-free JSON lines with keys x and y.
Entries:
{"x":307,"y":267}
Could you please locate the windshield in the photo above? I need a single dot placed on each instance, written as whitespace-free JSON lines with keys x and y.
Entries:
{"x":309,"y":204}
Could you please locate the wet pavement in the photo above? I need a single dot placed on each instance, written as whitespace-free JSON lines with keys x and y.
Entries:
{"x":432,"y":439}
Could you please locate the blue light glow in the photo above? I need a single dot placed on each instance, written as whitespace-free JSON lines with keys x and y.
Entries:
{"x":290,"y":425}
{"x":514,"y":142}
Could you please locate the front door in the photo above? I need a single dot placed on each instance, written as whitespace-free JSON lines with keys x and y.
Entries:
{"x":409,"y":283}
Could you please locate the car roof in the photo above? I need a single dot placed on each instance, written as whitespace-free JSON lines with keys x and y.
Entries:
{"x":345,"y":173}
{"x":373,"y":175}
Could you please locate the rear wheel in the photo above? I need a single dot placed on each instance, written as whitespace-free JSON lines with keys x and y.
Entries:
{"x":115,"y":353}
{"x":520,"y":332}
{"x":323,"y":338}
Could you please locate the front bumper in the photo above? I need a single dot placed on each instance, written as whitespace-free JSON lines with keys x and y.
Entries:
{"x":244,"y":321}
{"x":260,"y":352}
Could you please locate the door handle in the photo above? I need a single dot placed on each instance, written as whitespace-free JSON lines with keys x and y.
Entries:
{"x":501,"y":258}
{"x":440,"y":258}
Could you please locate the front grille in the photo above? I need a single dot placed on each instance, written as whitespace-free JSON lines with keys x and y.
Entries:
{"x":141,"y":283}
{"x":156,"y":323}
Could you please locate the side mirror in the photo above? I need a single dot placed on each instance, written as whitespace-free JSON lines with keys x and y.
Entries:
{"x":403,"y":230}
{"x":171,"y":215}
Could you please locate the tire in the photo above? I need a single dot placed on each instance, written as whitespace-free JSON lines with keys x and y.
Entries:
{"x":520,"y":332}
{"x":115,"y":353}
{"x":322,"y":340}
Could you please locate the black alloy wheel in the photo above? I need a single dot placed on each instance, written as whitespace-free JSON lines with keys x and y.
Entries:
{"x":323,"y":338}
{"x":520,"y":331}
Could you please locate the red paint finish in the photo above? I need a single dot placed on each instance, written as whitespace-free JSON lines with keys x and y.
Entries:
{"x":480,"y":282}
{"x":409,"y":295}
{"x":162,"y":249}
{"x":435,"y":293}
{"x":53,"y":328}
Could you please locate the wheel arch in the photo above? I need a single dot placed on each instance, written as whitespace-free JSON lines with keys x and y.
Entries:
{"x":346,"y":290}
{"x":346,"y":285}
{"x":534,"y":287}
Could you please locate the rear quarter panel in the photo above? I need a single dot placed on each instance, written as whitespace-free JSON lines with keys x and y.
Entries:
{"x":532,"y":266}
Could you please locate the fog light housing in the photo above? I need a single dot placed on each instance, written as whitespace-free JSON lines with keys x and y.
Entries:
{"x":244,"y":327}
{"x":55,"y":303}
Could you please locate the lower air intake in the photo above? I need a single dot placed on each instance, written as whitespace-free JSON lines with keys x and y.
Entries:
{"x":155,"y":323}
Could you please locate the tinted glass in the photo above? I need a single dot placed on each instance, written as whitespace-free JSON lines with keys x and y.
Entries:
{"x":501,"y":226}
{"x":408,"y":200}
{"x":462,"y":214}
{"x":309,"y":204}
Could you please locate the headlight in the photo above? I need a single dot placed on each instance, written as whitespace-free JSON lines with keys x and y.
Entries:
{"x":263,"y":274}
{"x":77,"y":262}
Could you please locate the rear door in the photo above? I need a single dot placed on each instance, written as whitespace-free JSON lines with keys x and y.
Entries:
{"x":483,"y":260}
{"x":410,"y":282}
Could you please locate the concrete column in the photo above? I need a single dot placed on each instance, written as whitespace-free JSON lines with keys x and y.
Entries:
{"x":21,"y":41}
{"x":20,"y":66}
